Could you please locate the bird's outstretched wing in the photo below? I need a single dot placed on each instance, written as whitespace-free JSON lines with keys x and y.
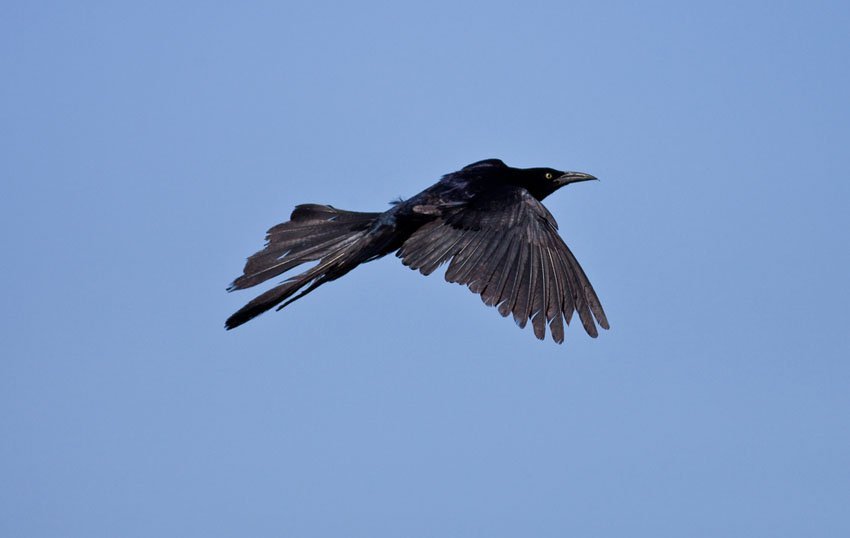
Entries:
{"x":506,"y":247}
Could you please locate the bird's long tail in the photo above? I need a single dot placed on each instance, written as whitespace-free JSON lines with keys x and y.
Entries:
{"x":341,"y":240}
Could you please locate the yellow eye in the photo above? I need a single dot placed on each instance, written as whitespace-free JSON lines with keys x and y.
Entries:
{"x":548,"y":175}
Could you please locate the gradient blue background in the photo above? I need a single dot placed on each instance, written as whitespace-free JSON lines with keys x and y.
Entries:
{"x":146,"y":148}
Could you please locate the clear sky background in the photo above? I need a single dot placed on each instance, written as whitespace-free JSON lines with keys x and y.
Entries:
{"x":146,"y":148}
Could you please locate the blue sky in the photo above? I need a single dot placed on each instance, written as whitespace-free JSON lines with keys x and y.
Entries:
{"x":147,"y":147}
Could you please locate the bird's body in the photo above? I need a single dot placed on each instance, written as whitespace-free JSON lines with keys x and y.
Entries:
{"x":485,"y":219}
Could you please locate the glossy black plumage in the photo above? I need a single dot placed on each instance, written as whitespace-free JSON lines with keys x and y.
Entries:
{"x":486,"y":221}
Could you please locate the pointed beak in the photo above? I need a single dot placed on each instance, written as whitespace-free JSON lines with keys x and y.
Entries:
{"x":573,"y":177}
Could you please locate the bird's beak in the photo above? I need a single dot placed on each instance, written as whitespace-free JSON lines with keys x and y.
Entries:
{"x":573,"y":177}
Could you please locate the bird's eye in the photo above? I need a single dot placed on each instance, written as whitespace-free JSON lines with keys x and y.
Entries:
{"x":548,"y":175}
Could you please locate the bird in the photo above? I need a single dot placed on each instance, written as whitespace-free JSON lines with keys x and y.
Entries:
{"x":486,"y":221}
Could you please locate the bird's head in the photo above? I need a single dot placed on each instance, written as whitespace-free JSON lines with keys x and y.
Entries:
{"x":541,"y":182}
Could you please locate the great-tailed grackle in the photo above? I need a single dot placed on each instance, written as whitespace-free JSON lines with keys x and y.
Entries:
{"x":485,"y":219}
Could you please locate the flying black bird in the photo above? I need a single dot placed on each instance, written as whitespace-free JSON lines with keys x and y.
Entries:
{"x":485,"y":219}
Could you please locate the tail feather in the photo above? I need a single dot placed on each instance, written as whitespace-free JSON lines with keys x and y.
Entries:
{"x":262,"y":303}
{"x":340,"y":239}
{"x":313,"y":232}
{"x":280,"y":293}
{"x":263,"y":266}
